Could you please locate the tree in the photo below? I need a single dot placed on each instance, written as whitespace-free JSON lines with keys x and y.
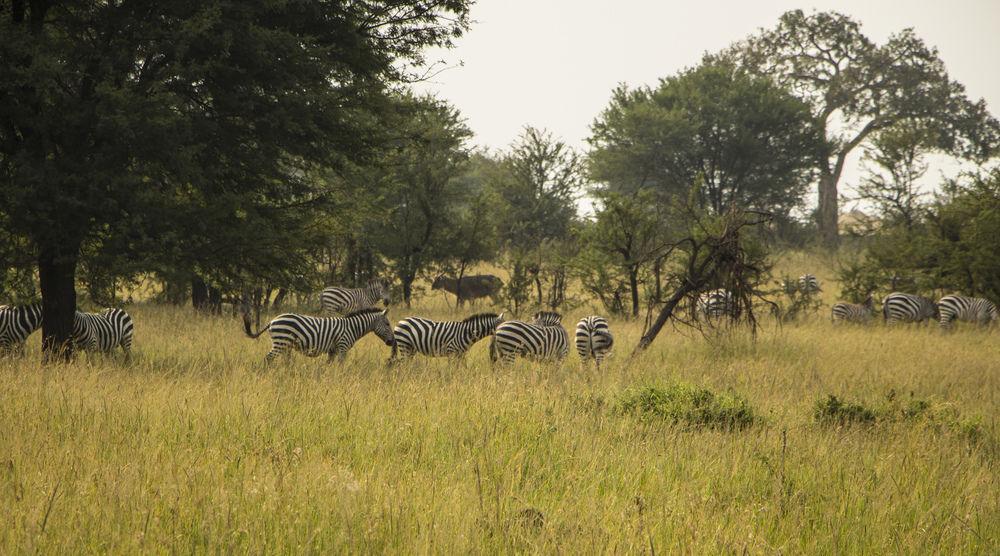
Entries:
{"x":629,"y":232}
{"x":747,"y":142}
{"x":894,"y":163}
{"x":421,"y":196}
{"x":118,"y":117}
{"x":857,"y":88}
{"x":536,"y":184}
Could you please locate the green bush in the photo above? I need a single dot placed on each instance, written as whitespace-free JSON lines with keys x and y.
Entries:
{"x":688,"y":405}
{"x":833,"y":411}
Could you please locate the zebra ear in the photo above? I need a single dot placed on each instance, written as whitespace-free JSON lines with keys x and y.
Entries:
{"x":500,"y":317}
{"x":385,"y":311}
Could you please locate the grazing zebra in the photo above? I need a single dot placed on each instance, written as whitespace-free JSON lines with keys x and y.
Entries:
{"x":103,"y":331}
{"x":968,"y":309}
{"x":593,"y":338}
{"x":315,"y":335}
{"x":16,"y":324}
{"x":853,"y":312}
{"x":904,"y":307}
{"x":350,"y":300}
{"x":434,"y":338}
{"x":716,"y":303}
{"x":808,"y":284}
{"x":544,"y":338}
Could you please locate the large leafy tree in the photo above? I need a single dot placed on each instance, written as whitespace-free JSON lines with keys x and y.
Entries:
{"x":421,"y":189}
{"x":856,"y":88}
{"x":746,"y":141}
{"x":122,"y":117}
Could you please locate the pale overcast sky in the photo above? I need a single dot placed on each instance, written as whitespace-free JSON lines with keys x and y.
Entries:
{"x":553,"y":63}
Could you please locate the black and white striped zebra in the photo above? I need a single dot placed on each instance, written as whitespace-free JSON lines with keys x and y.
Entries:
{"x":316,"y":335}
{"x":103,"y":332}
{"x":544,"y":338}
{"x":716,"y":303}
{"x":349,"y":300}
{"x":904,"y":307}
{"x":593,"y":339}
{"x":808,"y":284}
{"x":17,"y":322}
{"x":853,"y":312}
{"x":415,"y":335}
{"x":968,"y":309}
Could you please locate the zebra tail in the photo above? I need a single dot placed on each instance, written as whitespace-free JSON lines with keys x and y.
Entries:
{"x":247,"y":327}
{"x":493,"y":348}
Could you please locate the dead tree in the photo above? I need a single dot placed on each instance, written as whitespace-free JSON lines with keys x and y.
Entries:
{"x":715,"y":254}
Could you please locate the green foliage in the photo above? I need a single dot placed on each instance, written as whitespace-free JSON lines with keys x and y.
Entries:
{"x":687,"y":405}
{"x":833,"y":411}
{"x":793,"y":303}
{"x":746,"y":141}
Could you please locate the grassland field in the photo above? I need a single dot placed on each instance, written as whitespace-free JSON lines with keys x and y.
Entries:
{"x":197,"y":447}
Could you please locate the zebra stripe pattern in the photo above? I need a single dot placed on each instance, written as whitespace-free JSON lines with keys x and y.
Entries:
{"x":969,"y":309}
{"x":350,"y":300}
{"x":904,"y":307}
{"x":103,"y":331}
{"x":853,"y":312}
{"x":716,"y":303}
{"x":593,"y":338}
{"x":315,"y":335}
{"x":808,"y":284}
{"x":541,"y":339}
{"x":436,"y":338}
{"x":16,"y":324}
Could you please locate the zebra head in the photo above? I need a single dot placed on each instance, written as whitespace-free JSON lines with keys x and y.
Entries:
{"x":547,"y":318}
{"x":381,"y":327}
{"x":379,"y":289}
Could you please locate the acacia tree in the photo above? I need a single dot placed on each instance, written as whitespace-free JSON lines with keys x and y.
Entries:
{"x":628,"y":233}
{"x":121,"y":112}
{"x":894,"y":163}
{"x":856,"y":88}
{"x":537,"y":184}
{"x":421,"y":188}
{"x":745,"y":141}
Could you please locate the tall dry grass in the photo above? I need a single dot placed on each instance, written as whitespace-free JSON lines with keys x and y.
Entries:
{"x":196,"y":446}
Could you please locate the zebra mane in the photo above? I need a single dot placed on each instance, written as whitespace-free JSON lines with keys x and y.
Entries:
{"x":363,"y":312}
{"x":479,"y":316}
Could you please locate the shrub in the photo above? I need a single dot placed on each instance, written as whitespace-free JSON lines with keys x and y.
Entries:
{"x":685,"y":404}
{"x":833,"y":411}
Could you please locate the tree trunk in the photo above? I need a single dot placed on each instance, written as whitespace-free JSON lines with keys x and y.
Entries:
{"x":633,"y":285}
{"x":827,"y":212}
{"x":57,"y":279}
{"x":407,"y":282}
{"x":279,"y":298}
{"x":458,"y":286}
{"x":199,"y":294}
{"x":665,"y":313}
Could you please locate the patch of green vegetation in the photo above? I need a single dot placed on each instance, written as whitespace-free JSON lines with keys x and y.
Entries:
{"x":834,"y":411}
{"x":688,"y":405}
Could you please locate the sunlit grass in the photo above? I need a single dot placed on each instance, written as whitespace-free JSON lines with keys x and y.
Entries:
{"x":197,"y":446}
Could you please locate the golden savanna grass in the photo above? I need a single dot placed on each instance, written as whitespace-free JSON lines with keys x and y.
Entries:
{"x":196,"y":447}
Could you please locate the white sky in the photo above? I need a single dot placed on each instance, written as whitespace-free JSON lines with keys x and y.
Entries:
{"x":553,"y":63}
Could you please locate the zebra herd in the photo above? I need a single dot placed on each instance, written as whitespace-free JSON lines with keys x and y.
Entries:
{"x":543,"y":338}
{"x":98,"y":332}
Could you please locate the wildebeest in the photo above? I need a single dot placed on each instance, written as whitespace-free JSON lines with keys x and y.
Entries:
{"x":473,"y":287}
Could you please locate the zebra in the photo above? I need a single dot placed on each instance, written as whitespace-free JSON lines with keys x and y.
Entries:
{"x":349,"y":300}
{"x":808,"y":284}
{"x":716,"y":303}
{"x":435,"y":338}
{"x":905,"y":307}
{"x":969,"y":309}
{"x":315,"y":335}
{"x":593,"y":338}
{"x":853,"y":312}
{"x":17,"y":322}
{"x":543,"y":338}
{"x":103,"y":331}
